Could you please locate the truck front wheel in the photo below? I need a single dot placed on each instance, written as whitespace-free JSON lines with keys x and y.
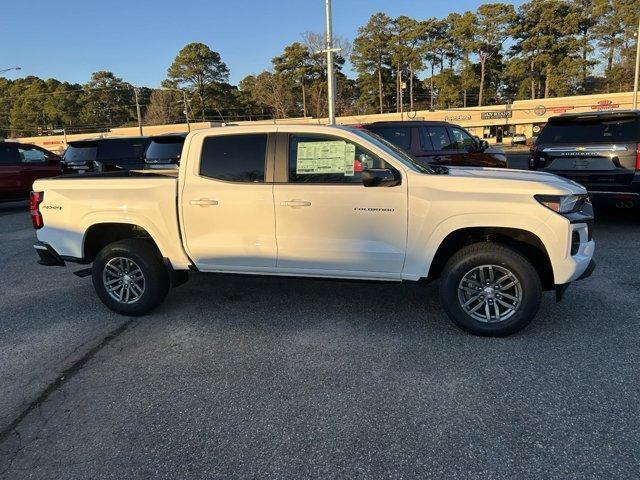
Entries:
{"x":490,"y":289}
{"x":129,"y":277}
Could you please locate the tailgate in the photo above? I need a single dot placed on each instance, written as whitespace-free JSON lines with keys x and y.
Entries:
{"x":592,"y":165}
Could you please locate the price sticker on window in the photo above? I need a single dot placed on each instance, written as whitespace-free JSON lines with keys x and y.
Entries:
{"x":316,"y":158}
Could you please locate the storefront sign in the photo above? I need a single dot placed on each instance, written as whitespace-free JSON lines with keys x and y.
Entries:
{"x":561,"y":109}
{"x":496,"y":115}
{"x":605,"y":105}
{"x":456,"y":118}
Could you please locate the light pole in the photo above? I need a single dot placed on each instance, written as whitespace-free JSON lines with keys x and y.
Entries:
{"x":331,"y":78}
{"x":135,"y":93}
{"x":635,"y":82}
{"x":5,"y":70}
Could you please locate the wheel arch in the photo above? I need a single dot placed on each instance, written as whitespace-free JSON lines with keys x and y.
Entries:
{"x":101,"y":234}
{"x":523,"y":241}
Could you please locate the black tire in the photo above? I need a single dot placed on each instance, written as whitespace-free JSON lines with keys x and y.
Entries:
{"x":155,"y":279}
{"x":481,"y":254}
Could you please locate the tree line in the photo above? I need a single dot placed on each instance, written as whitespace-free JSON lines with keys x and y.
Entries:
{"x":495,"y":54}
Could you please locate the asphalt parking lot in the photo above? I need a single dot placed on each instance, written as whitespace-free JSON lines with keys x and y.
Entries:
{"x":261,"y":378}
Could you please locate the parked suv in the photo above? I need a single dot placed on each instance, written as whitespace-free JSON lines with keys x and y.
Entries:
{"x":20,"y":165}
{"x":105,"y":154}
{"x":439,"y":143}
{"x":164,"y":150}
{"x":598,"y":150}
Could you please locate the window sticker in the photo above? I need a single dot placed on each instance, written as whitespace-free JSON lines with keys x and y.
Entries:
{"x":315,"y":158}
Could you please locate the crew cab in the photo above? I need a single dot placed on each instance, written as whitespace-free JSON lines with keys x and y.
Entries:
{"x":325,"y":202}
{"x":20,"y":165}
{"x":599,"y":150}
{"x":439,"y":143}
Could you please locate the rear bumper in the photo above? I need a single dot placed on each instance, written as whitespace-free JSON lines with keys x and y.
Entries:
{"x":48,"y":256}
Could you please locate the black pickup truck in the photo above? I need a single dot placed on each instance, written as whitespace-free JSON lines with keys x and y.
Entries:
{"x":599,"y":150}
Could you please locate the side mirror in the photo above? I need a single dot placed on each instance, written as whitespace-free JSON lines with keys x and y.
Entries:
{"x":379,"y":177}
{"x":483,"y":145}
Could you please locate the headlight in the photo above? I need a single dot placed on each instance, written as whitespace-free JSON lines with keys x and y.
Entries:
{"x":563,"y":203}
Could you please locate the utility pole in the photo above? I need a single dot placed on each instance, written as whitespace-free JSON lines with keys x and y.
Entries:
{"x":331,"y":78}
{"x":135,"y":92}
{"x":635,"y":83}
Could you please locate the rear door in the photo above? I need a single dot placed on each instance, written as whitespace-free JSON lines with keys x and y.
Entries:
{"x":227,"y":203}
{"x":597,"y":152}
{"x":11,"y":183}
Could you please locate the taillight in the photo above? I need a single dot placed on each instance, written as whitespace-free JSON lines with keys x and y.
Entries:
{"x":35,"y":199}
{"x":638,"y":157}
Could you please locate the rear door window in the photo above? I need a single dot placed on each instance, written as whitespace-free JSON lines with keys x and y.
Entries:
{"x":399,"y":136}
{"x":624,"y":130}
{"x":440,"y":138}
{"x":234,"y":158}
{"x":9,"y":155}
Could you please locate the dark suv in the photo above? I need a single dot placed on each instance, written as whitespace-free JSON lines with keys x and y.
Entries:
{"x":105,"y":154}
{"x":598,"y":150}
{"x":439,"y":143}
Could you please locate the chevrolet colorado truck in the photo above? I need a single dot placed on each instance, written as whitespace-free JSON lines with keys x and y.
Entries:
{"x":325,"y":202}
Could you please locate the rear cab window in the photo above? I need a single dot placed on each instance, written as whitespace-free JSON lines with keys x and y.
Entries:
{"x":234,"y":158}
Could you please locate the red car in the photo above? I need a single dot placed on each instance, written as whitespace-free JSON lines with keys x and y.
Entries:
{"x":20,"y":165}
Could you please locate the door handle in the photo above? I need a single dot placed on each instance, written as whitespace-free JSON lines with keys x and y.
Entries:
{"x":204,"y":202}
{"x":296,"y":203}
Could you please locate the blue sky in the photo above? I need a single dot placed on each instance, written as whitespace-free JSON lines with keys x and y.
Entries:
{"x":138,"y":39}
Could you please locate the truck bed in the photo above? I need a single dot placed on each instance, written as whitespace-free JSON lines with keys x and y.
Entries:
{"x":73,"y":204}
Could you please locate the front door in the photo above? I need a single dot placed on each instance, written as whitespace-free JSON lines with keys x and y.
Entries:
{"x":227,"y":205}
{"x":326,"y":220}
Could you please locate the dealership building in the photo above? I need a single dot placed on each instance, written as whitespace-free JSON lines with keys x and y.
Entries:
{"x":495,"y":123}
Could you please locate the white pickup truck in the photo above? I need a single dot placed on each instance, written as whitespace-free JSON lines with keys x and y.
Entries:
{"x":318,"y":201}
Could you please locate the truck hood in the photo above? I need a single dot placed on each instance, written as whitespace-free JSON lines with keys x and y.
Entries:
{"x":525,"y":180}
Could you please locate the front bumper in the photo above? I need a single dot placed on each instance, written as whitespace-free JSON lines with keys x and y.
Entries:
{"x":560,"y":289}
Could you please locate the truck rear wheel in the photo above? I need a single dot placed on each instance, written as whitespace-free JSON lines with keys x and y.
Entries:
{"x":490,"y":289}
{"x":129,"y":277}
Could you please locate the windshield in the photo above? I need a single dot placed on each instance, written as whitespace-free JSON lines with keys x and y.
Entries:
{"x":391,"y":149}
{"x":80,"y":153}
{"x":165,"y":149}
{"x":585,"y":130}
